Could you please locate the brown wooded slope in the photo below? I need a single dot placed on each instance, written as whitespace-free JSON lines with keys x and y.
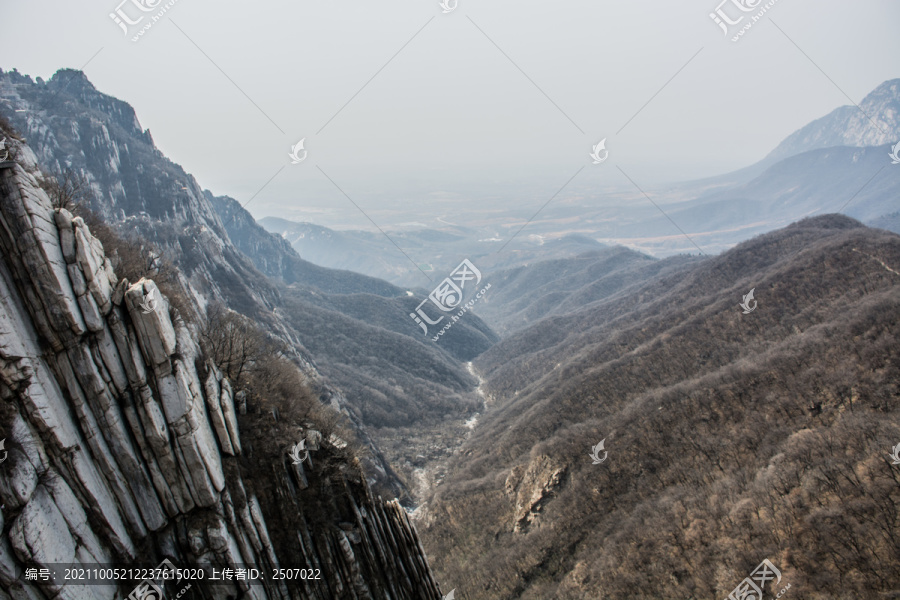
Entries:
{"x":732,"y":438}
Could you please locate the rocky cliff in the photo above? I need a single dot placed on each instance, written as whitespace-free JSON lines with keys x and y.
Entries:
{"x":124,"y":445}
{"x":396,"y":376}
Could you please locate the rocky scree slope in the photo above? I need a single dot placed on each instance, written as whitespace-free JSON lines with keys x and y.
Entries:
{"x":124,"y":445}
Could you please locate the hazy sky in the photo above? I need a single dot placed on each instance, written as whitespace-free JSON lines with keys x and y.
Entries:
{"x":493,"y":96}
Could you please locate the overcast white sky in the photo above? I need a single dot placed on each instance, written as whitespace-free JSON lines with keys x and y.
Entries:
{"x":450,"y":112}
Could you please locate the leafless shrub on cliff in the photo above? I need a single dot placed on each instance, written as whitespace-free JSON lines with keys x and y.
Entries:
{"x":67,"y":190}
{"x":280,"y":400}
{"x":133,"y":259}
{"x":237,"y":345}
{"x":6,"y":129}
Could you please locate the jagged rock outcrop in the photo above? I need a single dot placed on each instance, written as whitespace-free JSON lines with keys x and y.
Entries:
{"x":532,"y":486}
{"x":225,"y":257}
{"x":124,"y":445}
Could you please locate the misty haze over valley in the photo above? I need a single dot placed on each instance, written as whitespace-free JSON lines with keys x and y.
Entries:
{"x":440,"y":300}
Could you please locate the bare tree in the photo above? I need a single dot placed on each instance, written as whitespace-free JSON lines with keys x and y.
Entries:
{"x":68,"y":189}
{"x":236,"y":344}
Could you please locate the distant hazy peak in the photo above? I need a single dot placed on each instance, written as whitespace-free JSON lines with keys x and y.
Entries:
{"x":849,"y":126}
{"x":830,"y":221}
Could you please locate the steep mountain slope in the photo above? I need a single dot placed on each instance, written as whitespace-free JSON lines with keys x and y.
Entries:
{"x":226,"y":257}
{"x":264,"y":248}
{"x":72,"y":126}
{"x":406,"y":382}
{"x":875,"y":122}
{"x":731,"y":437}
{"x":124,"y":444}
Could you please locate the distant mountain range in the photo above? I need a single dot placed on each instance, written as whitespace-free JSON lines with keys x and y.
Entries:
{"x":859,"y":182}
{"x":375,"y":255}
{"x":875,"y":122}
{"x":525,"y":295}
{"x":836,"y":163}
{"x":890,"y":222}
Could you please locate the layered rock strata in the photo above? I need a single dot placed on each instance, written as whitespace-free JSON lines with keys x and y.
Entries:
{"x":123,"y":443}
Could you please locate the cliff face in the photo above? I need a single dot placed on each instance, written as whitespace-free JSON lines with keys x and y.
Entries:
{"x":223,"y":256}
{"x":71,"y":126}
{"x":124,"y":446}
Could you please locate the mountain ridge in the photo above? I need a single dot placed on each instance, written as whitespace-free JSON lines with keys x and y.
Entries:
{"x":127,"y":444}
{"x":226,"y":257}
{"x":875,"y":122}
{"x":724,"y":431}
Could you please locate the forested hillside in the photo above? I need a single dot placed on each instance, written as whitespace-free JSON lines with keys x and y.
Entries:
{"x":731,"y":437}
{"x":526,"y":294}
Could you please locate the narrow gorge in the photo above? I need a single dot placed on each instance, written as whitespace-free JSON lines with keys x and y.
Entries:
{"x":124,"y":442}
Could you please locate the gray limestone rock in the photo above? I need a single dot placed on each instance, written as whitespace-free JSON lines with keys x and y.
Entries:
{"x":117,"y":451}
{"x":66,"y":234}
{"x":19,"y":480}
{"x":40,"y":533}
{"x":150,"y":315}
